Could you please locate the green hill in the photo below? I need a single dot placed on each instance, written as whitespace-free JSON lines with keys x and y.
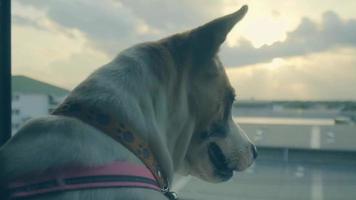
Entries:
{"x":23,"y":84}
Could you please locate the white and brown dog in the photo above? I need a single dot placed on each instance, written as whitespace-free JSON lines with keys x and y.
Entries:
{"x":172,"y":93}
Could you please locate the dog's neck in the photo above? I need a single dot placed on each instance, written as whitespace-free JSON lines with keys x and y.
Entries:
{"x":141,"y":87}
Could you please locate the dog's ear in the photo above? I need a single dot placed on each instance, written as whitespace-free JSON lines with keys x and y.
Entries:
{"x":208,"y":38}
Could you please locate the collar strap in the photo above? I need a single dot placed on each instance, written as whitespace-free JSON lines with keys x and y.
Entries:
{"x":108,"y":124}
{"x":114,"y":175}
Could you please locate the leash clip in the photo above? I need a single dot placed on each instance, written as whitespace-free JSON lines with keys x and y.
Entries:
{"x":169,"y":194}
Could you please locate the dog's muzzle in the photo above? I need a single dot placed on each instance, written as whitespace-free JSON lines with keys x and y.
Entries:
{"x":219,"y":162}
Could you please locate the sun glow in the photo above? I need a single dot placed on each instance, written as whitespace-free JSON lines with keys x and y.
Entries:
{"x":276,"y":64}
{"x":261,"y":26}
{"x":265,"y":31}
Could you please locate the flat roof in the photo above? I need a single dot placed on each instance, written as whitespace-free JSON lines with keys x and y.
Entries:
{"x":302,"y":136}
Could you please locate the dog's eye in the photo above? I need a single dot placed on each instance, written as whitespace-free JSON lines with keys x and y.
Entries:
{"x":204,"y":135}
{"x":232,"y":98}
{"x":218,"y":130}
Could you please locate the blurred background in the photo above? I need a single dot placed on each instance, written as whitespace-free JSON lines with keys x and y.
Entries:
{"x":292,"y":64}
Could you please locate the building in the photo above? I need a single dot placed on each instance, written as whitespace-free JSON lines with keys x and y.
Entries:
{"x":32,"y":98}
{"x":305,"y":153}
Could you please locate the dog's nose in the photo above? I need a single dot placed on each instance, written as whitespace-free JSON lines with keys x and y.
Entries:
{"x":254,"y":151}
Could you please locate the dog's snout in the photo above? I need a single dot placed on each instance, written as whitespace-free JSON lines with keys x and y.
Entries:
{"x":254,"y":151}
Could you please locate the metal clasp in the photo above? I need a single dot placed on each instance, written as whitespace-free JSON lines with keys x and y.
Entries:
{"x":169,"y":194}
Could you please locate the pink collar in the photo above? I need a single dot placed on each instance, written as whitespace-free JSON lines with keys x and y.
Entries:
{"x":107,"y":122}
{"x":115,"y":175}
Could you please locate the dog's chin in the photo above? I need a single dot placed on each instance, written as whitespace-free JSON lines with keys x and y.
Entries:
{"x":206,"y":171}
{"x":221,"y":176}
{"x":213,"y":176}
{"x":220,"y":165}
{"x":212,"y":165}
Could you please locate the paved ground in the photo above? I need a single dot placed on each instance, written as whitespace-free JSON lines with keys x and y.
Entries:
{"x":281,"y":181}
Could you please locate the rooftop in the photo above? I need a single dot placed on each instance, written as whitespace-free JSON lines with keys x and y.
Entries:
{"x":23,"y":84}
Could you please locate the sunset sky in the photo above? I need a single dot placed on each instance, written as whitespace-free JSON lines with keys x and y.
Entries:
{"x":282,"y":49}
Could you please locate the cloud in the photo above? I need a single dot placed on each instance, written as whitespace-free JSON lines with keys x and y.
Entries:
{"x":174,"y":16}
{"x":49,"y":52}
{"x":109,"y":26}
{"x":59,"y":38}
{"x":308,"y":37}
{"x":112,"y":25}
{"x":53,"y":57}
{"x":326,"y":75}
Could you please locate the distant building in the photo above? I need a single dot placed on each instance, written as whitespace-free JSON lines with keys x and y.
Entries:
{"x":32,"y":98}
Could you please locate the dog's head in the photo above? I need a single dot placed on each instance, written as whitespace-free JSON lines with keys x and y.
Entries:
{"x":218,"y":146}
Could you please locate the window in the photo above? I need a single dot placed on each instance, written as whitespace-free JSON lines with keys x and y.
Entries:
{"x":292,"y":64}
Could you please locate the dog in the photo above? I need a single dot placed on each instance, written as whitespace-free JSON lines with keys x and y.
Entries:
{"x":172,"y":93}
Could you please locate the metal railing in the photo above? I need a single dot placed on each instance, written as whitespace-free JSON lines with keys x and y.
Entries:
{"x":5,"y":70}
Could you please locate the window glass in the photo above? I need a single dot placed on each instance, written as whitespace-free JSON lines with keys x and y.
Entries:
{"x":291,"y":63}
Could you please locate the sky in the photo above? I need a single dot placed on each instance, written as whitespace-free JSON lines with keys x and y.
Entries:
{"x":281,"y":50}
